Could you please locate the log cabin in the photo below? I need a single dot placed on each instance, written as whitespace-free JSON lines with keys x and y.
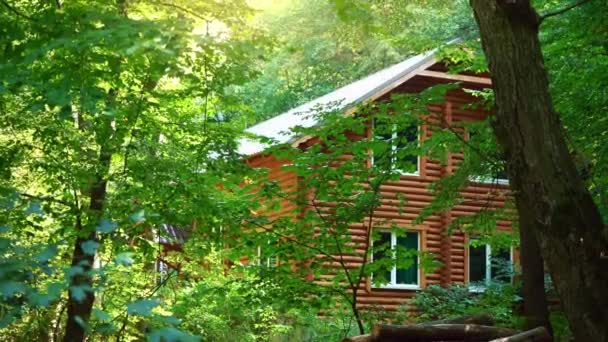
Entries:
{"x":462,"y":263}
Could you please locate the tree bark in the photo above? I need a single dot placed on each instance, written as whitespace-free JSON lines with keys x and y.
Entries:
{"x":79,"y":311}
{"x":548,"y":190}
{"x":533,"y":278}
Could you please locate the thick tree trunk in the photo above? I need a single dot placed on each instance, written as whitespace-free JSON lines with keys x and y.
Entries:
{"x":533,"y":278}
{"x":548,"y":190}
{"x":79,"y":310}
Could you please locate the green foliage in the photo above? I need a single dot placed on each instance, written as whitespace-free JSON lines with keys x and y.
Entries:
{"x":577,"y":63}
{"x":321,"y":45}
{"x":108,"y":130}
{"x":252,"y":305}
{"x":436,"y":302}
{"x":497,"y":300}
{"x":561,"y":328}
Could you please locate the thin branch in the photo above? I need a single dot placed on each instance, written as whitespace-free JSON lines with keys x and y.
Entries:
{"x":341,"y":255}
{"x":296,"y":241}
{"x":475,"y":149}
{"x":183,"y":9}
{"x":561,"y":10}
{"x":16,"y":11}
{"x":46,"y":199}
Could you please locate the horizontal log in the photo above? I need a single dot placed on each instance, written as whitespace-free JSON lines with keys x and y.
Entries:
{"x":538,"y":334}
{"x":440,"y":332}
{"x":360,"y":338}
{"x":484,"y":319}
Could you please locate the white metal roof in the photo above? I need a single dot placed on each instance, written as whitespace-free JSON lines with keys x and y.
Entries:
{"x":278,"y":128}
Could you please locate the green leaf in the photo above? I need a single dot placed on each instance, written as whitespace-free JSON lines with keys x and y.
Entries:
{"x":106,"y":226}
{"x":10,"y":288}
{"x":138,"y":216}
{"x":73,"y":271}
{"x":40,"y":299}
{"x":171,"y":335}
{"x":124,"y":259}
{"x":47,"y":254}
{"x":8,"y":202}
{"x":81,"y":322}
{"x":79,"y":292}
{"x":34,"y":209}
{"x":89,"y":247}
{"x":101,"y":315}
{"x":142,"y":307}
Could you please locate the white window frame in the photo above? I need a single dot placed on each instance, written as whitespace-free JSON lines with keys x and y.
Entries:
{"x":268,"y":262}
{"x":488,"y":180}
{"x":488,"y":277}
{"x":394,"y":148}
{"x":392,"y":284}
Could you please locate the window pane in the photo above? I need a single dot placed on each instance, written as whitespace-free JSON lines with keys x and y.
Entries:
{"x":383,"y":133}
{"x":501,"y":265}
{"x":408,"y":138}
{"x":383,"y":243}
{"x":409,"y":276}
{"x":265,"y":257}
{"x":477,"y":264}
{"x":493,"y":171}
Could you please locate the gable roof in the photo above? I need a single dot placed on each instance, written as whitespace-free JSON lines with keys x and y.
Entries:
{"x":365,"y":89}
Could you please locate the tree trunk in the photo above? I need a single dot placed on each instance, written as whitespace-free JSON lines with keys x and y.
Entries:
{"x":548,"y":190}
{"x":79,"y":311}
{"x":533,"y":278}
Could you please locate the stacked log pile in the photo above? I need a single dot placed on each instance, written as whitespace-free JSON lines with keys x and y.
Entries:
{"x":467,"y":328}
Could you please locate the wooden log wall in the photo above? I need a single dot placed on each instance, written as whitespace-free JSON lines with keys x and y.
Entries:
{"x":451,"y":250}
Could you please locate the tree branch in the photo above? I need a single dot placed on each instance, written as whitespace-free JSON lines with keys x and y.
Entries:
{"x":289,"y":238}
{"x":16,"y":11}
{"x":46,"y":199}
{"x":183,"y":9}
{"x":561,"y":10}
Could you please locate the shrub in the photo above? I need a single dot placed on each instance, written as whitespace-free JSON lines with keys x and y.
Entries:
{"x":436,"y":302}
{"x":497,"y":300}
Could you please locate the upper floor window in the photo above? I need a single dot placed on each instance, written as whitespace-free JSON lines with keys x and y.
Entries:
{"x":399,"y":154}
{"x":493,"y":171}
{"x":406,"y":250}
{"x":487,"y":265}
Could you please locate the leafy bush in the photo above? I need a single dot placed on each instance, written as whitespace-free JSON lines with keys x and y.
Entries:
{"x":497,"y":300}
{"x":251,"y":303}
{"x":436,"y":302}
{"x":561,"y":328}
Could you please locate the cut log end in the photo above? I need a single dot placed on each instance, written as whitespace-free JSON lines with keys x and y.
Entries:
{"x":359,"y":338}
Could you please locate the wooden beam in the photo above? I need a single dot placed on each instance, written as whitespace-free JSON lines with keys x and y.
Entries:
{"x":455,"y":77}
